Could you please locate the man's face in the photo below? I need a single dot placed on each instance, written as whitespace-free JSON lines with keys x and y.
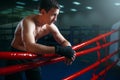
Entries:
{"x":51,"y":15}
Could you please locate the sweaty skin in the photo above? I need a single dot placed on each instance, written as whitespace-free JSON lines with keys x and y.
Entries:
{"x":33,"y":27}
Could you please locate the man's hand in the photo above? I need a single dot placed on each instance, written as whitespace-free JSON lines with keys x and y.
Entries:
{"x":69,"y":61}
{"x":67,"y":51}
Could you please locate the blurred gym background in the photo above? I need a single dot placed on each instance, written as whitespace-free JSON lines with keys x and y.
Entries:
{"x":78,"y":21}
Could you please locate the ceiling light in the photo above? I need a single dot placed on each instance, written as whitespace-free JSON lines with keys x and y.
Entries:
{"x":35,"y":11}
{"x":61,"y":11}
{"x":21,"y":3}
{"x":61,"y":6}
{"x":88,"y":7}
{"x":117,"y":4}
{"x":74,"y":10}
{"x":6,"y":11}
{"x":20,"y":7}
{"x":26,"y":13}
{"x":76,"y":3}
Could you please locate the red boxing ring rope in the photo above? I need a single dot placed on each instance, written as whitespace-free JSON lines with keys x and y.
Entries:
{"x":89,"y":67}
{"x":21,"y":67}
{"x":81,"y":45}
{"x":24,"y":55}
{"x":17,"y":55}
{"x":95,"y":77}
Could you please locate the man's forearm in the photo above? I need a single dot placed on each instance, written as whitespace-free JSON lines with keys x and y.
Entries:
{"x":66,"y":43}
{"x":40,"y":49}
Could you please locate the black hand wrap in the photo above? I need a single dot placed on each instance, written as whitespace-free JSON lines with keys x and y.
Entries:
{"x":64,"y":51}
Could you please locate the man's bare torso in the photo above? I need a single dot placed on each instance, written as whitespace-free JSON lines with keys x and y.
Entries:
{"x":38,"y":32}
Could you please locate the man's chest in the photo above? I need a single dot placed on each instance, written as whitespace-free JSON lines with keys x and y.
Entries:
{"x":40,"y":32}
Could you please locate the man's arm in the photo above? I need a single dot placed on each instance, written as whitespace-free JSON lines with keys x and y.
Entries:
{"x":58,"y":36}
{"x":66,"y":48}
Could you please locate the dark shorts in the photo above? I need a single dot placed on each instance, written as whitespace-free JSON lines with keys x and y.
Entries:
{"x":31,"y":74}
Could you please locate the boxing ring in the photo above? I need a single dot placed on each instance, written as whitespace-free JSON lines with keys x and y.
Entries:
{"x":52,"y":58}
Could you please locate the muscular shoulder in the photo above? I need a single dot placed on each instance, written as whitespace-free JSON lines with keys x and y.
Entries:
{"x":28,"y":22}
{"x":53,"y":28}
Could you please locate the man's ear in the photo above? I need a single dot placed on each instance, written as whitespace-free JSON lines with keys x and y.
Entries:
{"x":43,"y":11}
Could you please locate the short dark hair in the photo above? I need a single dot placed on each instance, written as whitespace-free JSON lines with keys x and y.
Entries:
{"x":48,"y":4}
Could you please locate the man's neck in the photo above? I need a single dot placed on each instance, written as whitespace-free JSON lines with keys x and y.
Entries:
{"x":39,"y":20}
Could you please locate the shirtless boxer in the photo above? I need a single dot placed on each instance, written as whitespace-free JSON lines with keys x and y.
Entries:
{"x":32,"y":28}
